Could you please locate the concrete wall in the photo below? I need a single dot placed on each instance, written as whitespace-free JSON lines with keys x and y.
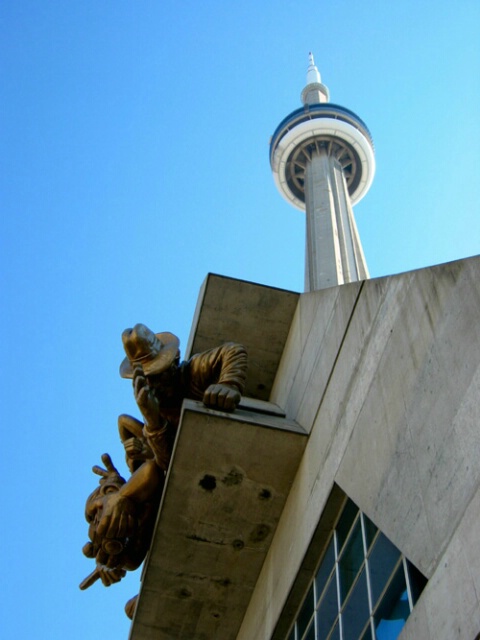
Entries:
{"x":385,"y":375}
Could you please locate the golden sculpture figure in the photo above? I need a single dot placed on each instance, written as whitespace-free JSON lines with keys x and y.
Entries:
{"x":137,"y":449}
{"x":121,"y":514}
{"x":161,"y":382}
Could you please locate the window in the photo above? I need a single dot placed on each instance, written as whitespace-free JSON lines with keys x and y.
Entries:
{"x":363,"y":589}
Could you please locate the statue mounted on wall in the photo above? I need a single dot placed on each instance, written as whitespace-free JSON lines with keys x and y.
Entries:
{"x":161,"y":382}
{"x":121,"y":513}
{"x":121,"y":516}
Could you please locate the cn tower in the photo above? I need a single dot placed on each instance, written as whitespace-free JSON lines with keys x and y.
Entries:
{"x":323,"y":162}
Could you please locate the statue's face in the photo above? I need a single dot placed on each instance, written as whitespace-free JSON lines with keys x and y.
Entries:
{"x":165,"y":384}
{"x":96,"y":503}
{"x":100,"y":548}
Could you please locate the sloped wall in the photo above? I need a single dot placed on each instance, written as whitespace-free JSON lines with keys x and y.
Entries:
{"x":385,"y":375}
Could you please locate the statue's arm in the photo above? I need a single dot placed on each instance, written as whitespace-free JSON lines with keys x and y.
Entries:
{"x":233,"y":367}
{"x":218,"y":375}
{"x":145,"y":484}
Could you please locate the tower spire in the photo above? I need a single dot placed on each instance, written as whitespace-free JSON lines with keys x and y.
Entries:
{"x":313,"y":74}
{"x":314,"y":91}
{"x":323,"y":162}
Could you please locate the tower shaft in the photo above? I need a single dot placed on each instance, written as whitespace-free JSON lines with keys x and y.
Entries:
{"x":334,"y":252}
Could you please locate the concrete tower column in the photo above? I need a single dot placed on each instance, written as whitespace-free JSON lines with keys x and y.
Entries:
{"x":323,"y":162}
{"x":334,"y":252}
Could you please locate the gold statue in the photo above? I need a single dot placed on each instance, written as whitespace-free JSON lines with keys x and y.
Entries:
{"x":137,"y":449}
{"x":161,"y":382}
{"x":121,"y":514}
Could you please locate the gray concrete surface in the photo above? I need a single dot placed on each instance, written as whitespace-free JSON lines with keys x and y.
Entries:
{"x":256,"y":316}
{"x":334,"y":252}
{"x":228,"y":481}
{"x":386,"y":375}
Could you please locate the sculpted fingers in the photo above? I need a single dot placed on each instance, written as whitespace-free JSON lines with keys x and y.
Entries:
{"x":115,"y":525}
{"x":102,"y":557}
{"x":90,"y":579}
{"x":118,"y":519}
{"x":209,"y":397}
{"x":105,"y":577}
{"x":133,"y":446}
{"x":206,"y":397}
{"x":139,"y":382}
{"x":231,"y":400}
{"x":88,"y":550}
{"x":137,"y":373}
{"x":103,"y":526}
{"x":126,"y":525}
{"x":110,"y":576}
{"x":221,"y":396}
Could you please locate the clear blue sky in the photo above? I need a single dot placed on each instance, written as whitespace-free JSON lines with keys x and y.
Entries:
{"x":134,"y":151}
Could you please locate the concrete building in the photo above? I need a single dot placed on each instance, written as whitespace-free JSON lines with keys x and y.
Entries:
{"x":342,"y":498}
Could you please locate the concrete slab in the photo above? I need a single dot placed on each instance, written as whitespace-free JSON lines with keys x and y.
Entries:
{"x":256,"y":316}
{"x":228,"y":482}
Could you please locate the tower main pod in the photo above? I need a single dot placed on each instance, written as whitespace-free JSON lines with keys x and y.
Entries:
{"x":323,"y":162}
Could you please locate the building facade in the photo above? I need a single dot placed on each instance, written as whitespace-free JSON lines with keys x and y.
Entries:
{"x":362,"y":408}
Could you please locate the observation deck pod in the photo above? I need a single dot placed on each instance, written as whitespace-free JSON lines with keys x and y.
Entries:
{"x":228,"y":481}
{"x":337,"y":130}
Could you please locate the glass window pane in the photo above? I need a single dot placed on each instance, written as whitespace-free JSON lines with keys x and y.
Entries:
{"x":310,"y":635}
{"x":393,"y":609}
{"x":382,"y":561}
{"x":335,"y":634}
{"x":367,"y":635}
{"x":370,"y":531}
{"x":355,"y":614}
{"x":351,"y":560}
{"x":339,"y":590}
{"x":325,"y":568}
{"x":345,"y":523}
{"x":417,"y":581}
{"x":389,"y":629}
{"x":306,"y":612}
{"x":328,"y":609}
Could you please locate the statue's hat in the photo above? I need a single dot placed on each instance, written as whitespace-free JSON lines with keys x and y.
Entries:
{"x":155,"y":352}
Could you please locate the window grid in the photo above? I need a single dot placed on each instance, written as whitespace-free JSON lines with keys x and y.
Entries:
{"x":366,"y":550}
{"x":349,"y":571}
{"x":337,"y":580}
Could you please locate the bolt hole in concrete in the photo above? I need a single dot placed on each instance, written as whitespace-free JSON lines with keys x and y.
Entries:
{"x":208,"y":482}
{"x":238,"y":544}
{"x":265,"y":494}
{"x":260,"y":532}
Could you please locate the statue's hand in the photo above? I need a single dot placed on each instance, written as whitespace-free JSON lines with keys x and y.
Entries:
{"x":110,"y":576}
{"x":221,"y":396}
{"x":106,"y":575}
{"x":145,"y":397}
{"x":118,"y":518}
{"x":134,"y":448}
